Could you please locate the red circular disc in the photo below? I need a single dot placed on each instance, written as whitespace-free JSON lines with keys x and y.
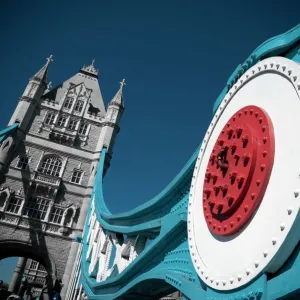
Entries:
{"x":238,"y":171}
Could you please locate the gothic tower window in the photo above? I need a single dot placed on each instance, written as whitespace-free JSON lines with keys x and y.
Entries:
{"x":51,"y":165}
{"x":50,"y":119}
{"x":56,"y":215}
{"x":72,"y":125}
{"x":79,"y":105}
{"x":22,"y":163}
{"x":14,"y":205}
{"x":36,"y":208}
{"x":61,"y":121}
{"x":76,"y":177}
{"x":69,"y":102}
{"x":83,"y":128}
{"x":33,"y":265}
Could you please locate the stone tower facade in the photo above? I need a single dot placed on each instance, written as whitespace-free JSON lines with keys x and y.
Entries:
{"x":48,"y":166}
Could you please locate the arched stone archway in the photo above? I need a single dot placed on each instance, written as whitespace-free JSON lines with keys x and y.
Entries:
{"x":13,"y":248}
{"x":10,"y":248}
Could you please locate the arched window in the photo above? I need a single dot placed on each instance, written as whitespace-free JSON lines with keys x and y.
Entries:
{"x":79,"y":105}
{"x":36,"y":208}
{"x":69,"y":102}
{"x":61,"y":121}
{"x":72,"y":125}
{"x":51,"y":166}
{"x":83,"y":128}
{"x":50,"y":119}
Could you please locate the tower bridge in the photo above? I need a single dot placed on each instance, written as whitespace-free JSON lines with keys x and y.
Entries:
{"x":226,"y":227}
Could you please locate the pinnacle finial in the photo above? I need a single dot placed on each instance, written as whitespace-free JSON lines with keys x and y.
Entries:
{"x":49,"y":59}
{"x":93,"y":61}
{"x":123,"y":83}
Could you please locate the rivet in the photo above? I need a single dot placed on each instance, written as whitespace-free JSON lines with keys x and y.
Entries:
{"x":211,"y":280}
{"x":265,"y":253}
{"x":257,"y":182}
{"x":232,"y":175}
{"x":256,"y":264}
{"x":274,"y":241}
{"x":246,"y":207}
{"x":217,"y":282}
{"x":246,"y":158}
{"x":239,"y":277}
{"x":231,"y":224}
{"x":244,"y":140}
{"x":265,"y":139}
{"x":240,"y":180}
{"x":224,"y":282}
{"x":289,"y":210}
{"x":260,"y":120}
{"x":264,"y":128}
{"x":295,"y":78}
{"x":282,"y":226}
{"x":252,"y":196}
{"x":248,"y":271}
{"x":262,"y":167}
{"x":231,"y":280}
{"x":265,"y":153}
{"x":289,"y":72}
{"x":238,"y":217}
{"x":296,"y":193}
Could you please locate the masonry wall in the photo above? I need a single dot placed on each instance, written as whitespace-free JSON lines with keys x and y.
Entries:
{"x":56,"y":248}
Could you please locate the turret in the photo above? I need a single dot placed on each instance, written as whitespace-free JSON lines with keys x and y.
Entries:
{"x":31,"y":97}
{"x":111,"y":125}
{"x":24,"y":113}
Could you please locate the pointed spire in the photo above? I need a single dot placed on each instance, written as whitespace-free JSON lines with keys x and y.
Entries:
{"x":90,"y":69}
{"x":118,"y":98}
{"x":42,"y":74}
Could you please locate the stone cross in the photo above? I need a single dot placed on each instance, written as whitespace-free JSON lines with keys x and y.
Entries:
{"x":122,"y":83}
{"x":49,"y":59}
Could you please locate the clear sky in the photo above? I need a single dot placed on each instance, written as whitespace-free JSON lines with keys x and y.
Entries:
{"x":176,"y":57}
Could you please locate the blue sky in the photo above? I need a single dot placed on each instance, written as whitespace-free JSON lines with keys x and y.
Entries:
{"x":176,"y":57}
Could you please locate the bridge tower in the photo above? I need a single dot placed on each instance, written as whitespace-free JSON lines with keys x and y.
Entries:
{"x":47,"y":169}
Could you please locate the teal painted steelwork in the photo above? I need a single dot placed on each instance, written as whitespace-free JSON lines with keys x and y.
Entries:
{"x":167,"y":259}
{"x":6,"y":132}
